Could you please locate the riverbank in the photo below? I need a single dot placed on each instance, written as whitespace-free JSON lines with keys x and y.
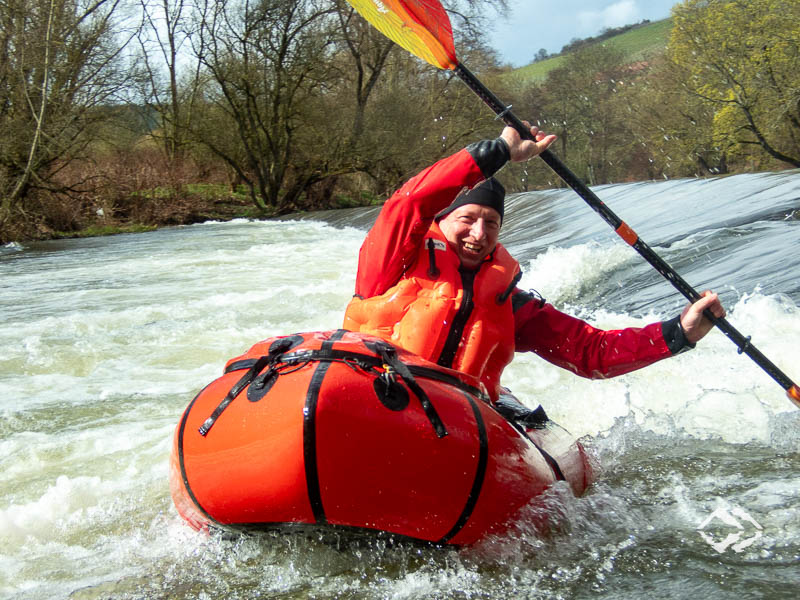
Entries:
{"x":194,"y":209}
{"x":134,"y":215}
{"x":195,"y":203}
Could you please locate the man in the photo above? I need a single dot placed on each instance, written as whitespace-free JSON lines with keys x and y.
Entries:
{"x":433,"y":280}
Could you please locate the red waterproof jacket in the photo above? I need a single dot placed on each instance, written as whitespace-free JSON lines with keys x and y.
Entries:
{"x":393,"y":244}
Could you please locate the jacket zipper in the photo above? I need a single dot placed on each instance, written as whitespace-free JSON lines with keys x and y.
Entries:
{"x":460,"y":319}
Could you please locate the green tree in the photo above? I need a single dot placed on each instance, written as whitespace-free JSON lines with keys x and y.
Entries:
{"x":582,"y":102}
{"x":741,"y":58}
{"x":674,"y":129}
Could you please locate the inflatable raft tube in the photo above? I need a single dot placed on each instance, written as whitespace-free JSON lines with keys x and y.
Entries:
{"x":339,"y":429}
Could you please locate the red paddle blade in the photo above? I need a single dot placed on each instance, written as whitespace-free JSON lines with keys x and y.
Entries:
{"x":420,"y":26}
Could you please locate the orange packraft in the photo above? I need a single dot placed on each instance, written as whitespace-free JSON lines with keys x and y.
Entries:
{"x":342,"y":429}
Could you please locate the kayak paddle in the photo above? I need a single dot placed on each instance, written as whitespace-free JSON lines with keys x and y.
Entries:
{"x":423,"y":28}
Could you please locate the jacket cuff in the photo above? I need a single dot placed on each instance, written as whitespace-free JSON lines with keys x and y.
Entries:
{"x":674,"y":336}
{"x":489,"y":155}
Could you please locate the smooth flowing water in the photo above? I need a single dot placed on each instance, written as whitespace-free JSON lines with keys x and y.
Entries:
{"x":106,"y":340}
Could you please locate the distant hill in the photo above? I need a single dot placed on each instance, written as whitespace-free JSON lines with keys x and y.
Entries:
{"x":637,"y":43}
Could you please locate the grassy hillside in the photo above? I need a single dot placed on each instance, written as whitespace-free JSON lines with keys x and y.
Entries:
{"x":637,"y":44}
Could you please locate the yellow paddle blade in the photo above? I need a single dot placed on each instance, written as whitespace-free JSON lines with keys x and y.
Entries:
{"x":420,"y":26}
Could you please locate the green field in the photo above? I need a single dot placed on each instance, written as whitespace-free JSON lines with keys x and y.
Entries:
{"x":637,"y":44}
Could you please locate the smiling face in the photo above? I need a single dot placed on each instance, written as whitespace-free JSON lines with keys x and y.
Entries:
{"x":471,"y":231}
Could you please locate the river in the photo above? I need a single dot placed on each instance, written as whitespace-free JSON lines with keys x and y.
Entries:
{"x":106,"y":340}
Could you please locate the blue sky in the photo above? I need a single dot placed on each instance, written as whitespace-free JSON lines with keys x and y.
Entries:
{"x":550,"y":24}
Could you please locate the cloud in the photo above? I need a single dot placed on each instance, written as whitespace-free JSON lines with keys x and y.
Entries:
{"x":619,"y":13}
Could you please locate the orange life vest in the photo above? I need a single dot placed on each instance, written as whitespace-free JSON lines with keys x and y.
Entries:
{"x":457,"y":319}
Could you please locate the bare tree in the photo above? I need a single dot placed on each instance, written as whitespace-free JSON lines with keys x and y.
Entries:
{"x":163,"y":38}
{"x":368,"y":51}
{"x":59,"y":71}
{"x":288,"y":77}
{"x":397,"y":103}
{"x":266,"y":61}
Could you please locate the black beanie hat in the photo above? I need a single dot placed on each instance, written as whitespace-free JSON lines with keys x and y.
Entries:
{"x":489,"y":193}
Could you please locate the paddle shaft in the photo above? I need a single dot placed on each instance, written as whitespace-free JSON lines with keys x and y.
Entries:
{"x":626,"y":233}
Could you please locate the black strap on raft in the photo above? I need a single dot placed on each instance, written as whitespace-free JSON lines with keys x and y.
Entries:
{"x":552,"y":462}
{"x":391,"y":393}
{"x":549,"y":460}
{"x":264,"y":381}
{"x":480,"y":474}
{"x":310,"y":431}
{"x":243,"y":382}
{"x":366,"y":362}
{"x":182,"y":458}
{"x":389,"y":355}
{"x":278,"y":360}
